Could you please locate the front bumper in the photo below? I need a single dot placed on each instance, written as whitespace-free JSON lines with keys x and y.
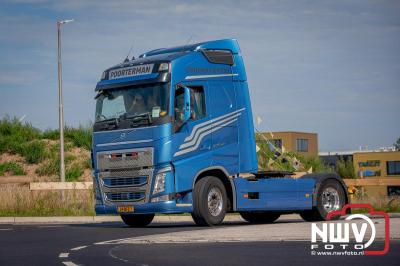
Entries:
{"x":147,"y":208}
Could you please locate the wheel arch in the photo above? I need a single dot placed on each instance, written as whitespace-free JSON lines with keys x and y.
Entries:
{"x":222,"y":174}
{"x":320,"y":178}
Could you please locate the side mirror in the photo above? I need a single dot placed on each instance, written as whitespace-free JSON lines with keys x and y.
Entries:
{"x":186,"y":107}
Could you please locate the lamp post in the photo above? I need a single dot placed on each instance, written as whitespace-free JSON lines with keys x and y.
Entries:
{"x":60,"y":100}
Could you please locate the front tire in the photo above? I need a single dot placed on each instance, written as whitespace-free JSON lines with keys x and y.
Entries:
{"x":137,"y":220}
{"x":330,"y":197}
{"x":209,"y":201}
{"x":260,"y":217}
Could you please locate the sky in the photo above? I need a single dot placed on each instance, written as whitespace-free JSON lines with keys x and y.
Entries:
{"x":330,"y":67}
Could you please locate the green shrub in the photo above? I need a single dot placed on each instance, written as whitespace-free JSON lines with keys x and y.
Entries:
{"x":12,"y":127}
{"x":69,"y":158}
{"x":316,"y":163}
{"x":22,"y":139}
{"x":12,"y":168}
{"x":80,"y":137}
{"x":11,"y":144}
{"x":87,"y":163}
{"x":270,"y":160}
{"x":49,"y":168}
{"x":34,"y":152}
{"x":345,"y":168}
{"x":13,"y":133}
{"x":52,"y":134}
{"x":73,"y":172}
{"x":52,"y":167}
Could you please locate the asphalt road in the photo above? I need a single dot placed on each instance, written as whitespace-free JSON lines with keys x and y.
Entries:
{"x":179,"y":243}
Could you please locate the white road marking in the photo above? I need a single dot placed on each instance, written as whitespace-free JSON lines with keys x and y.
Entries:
{"x":280,"y":231}
{"x":116,"y":257}
{"x":69,"y":263}
{"x":6,"y":229}
{"x":63,"y":255}
{"x":78,"y":248}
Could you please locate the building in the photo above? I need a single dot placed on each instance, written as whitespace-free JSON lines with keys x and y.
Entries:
{"x":332,"y":158}
{"x":301,"y":142}
{"x":378,"y":164}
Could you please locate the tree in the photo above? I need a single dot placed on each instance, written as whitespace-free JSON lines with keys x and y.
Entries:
{"x":345,"y":168}
{"x":397,"y":145}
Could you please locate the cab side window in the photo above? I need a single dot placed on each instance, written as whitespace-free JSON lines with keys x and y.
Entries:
{"x":179,"y":102}
{"x":197,"y":104}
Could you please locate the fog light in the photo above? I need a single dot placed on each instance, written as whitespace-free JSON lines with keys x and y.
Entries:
{"x":161,"y":198}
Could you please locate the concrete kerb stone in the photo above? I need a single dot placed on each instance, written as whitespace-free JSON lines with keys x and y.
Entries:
{"x":101,"y":219}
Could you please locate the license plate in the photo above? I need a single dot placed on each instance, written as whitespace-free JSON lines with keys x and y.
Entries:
{"x":122,"y":209}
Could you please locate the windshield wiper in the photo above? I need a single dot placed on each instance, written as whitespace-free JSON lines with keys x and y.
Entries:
{"x":137,"y":118}
{"x":110,"y":123}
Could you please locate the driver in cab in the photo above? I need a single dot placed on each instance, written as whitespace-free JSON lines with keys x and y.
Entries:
{"x":138,"y":105}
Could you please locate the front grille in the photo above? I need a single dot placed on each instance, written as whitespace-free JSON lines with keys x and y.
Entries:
{"x":125,"y":159}
{"x":125,"y":175}
{"x":125,"y":181}
{"x":126,"y":196}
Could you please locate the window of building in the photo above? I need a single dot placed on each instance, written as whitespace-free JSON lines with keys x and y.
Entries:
{"x":277,"y":143}
{"x":369,"y":173}
{"x":393,"y":167}
{"x":393,"y":190}
{"x":302,"y":145}
{"x":369,"y":163}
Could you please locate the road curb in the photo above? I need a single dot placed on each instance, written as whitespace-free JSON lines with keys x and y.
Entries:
{"x":99,"y":219}
{"x":103,"y":219}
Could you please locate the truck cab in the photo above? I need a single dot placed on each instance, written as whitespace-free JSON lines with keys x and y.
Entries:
{"x":174,"y":133}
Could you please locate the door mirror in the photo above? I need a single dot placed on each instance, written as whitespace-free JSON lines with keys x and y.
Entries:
{"x":182,"y":106}
{"x":186,"y":108}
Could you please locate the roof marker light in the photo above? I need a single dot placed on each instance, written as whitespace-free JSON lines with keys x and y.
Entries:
{"x":163,"y":67}
{"x":103,"y":76}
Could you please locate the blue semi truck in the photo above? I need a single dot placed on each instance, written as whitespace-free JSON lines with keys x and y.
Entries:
{"x":174,"y":133}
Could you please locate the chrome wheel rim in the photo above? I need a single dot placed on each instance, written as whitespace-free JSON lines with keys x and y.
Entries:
{"x":330,"y":199}
{"x":214,"y":201}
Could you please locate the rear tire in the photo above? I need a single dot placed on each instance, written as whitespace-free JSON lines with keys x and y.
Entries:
{"x":137,"y":220}
{"x":260,"y":217}
{"x":330,"y":197}
{"x":209,"y":201}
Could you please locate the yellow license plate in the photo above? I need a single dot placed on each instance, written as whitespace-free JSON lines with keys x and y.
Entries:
{"x":122,"y":209}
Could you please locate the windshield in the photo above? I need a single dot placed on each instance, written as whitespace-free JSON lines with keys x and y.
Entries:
{"x":149,"y":100}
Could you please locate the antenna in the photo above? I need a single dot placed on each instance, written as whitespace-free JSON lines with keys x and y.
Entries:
{"x":187,"y":43}
{"x":127,"y":56}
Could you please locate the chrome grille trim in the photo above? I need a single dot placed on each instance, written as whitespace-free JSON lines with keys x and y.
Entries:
{"x":136,"y":181}
{"x":125,"y":175}
{"x":125,"y":197}
{"x":125,"y":159}
{"x":124,"y":189}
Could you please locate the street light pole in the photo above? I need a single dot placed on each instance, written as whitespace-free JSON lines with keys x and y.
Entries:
{"x":60,"y":100}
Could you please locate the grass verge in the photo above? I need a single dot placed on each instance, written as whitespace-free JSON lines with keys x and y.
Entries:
{"x":18,"y":200}
{"x":11,"y":168}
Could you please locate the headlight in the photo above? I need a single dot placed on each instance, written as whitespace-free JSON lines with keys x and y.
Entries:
{"x":159,"y":184}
